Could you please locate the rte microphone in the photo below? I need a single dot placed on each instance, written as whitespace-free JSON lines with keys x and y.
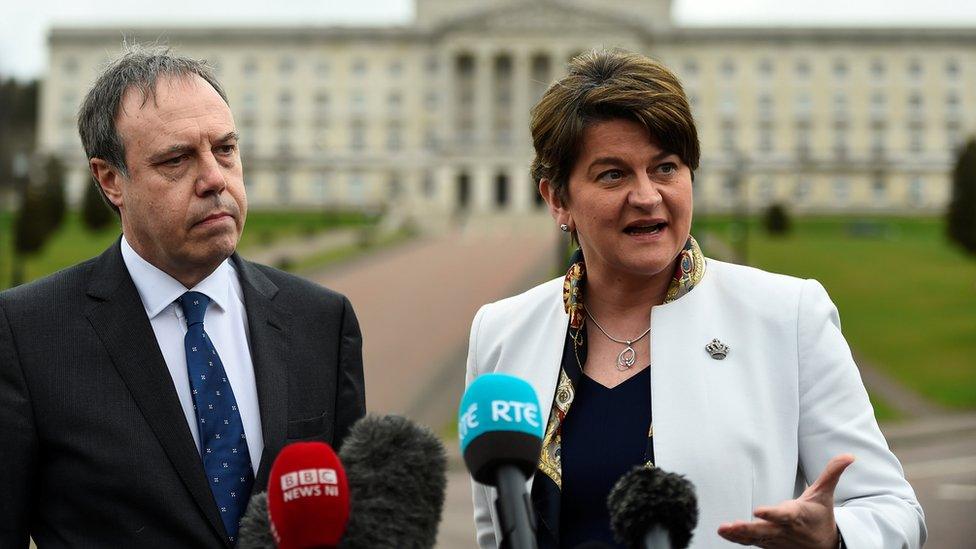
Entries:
{"x":500,"y":429}
{"x":397,"y":474}
{"x":653,"y":509}
{"x":307,"y":499}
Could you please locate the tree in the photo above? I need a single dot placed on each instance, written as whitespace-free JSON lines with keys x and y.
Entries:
{"x":777,"y":220}
{"x":95,"y":214}
{"x":53,"y":190}
{"x":31,"y":230}
{"x":961,"y":216}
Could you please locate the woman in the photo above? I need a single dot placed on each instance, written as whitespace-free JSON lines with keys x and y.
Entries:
{"x":648,"y":354}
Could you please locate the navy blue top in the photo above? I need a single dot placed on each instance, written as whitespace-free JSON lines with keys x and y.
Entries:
{"x":604,"y":435}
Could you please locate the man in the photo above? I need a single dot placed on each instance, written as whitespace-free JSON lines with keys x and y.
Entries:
{"x":145,"y":393}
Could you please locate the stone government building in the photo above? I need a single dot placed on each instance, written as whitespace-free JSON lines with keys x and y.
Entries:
{"x":431,"y":118}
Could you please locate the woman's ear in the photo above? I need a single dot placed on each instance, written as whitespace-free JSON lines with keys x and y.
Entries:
{"x":557,"y":209}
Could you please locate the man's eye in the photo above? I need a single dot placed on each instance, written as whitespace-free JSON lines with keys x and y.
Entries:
{"x":175,"y":161}
{"x":226,"y":149}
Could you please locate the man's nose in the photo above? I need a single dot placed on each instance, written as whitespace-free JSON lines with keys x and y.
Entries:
{"x":211,"y":178}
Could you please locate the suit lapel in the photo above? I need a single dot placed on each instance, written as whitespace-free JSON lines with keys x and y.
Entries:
{"x":118,"y":317}
{"x":269,"y":345}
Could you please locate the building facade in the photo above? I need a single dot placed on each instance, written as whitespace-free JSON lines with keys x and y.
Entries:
{"x":432,"y":118}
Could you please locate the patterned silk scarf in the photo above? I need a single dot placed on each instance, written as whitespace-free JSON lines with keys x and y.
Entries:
{"x":688,"y":272}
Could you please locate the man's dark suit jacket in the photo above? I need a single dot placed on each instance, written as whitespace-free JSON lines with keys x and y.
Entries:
{"x":95,"y":449}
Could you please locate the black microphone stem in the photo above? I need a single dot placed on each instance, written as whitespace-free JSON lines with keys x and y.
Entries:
{"x":515,"y":515}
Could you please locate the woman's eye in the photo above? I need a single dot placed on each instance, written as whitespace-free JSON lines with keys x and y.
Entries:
{"x":668,"y":169}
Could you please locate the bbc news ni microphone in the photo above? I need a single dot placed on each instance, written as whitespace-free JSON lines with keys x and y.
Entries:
{"x":394,"y":482}
{"x":500,"y":430}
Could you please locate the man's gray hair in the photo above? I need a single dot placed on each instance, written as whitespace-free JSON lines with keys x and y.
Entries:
{"x":138,"y":67}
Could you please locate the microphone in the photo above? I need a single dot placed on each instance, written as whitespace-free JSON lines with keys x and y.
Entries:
{"x":307,"y":499}
{"x":397,"y":474}
{"x":500,"y":430}
{"x":653,"y":509}
{"x":255,"y":530}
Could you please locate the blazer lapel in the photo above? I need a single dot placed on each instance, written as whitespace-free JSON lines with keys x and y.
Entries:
{"x":119,"y":318}
{"x":269,"y":344}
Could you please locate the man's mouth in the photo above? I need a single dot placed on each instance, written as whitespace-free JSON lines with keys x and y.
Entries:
{"x":213,"y":218}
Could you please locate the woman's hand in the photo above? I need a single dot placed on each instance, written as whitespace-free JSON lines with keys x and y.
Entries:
{"x":807,"y":521}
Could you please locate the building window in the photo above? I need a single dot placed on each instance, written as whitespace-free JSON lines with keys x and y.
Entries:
{"x":765,"y":138}
{"x":877,"y":105}
{"x":842,"y":190}
{"x":877,"y":68}
{"x":357,"y":135}
{"x":840,"y":68}
{"x":320,"y":187}
{"x":952,"y":105}
{"x":394,"y":187}
{"x":803,"y":105}
{"x":766,"y":67}
{"x":840,"y":140}
{"x":840,"y":104}
{"x":952,"y":69}
{"x":428,"y":186}
{"x":359,"y":66}
{"x":878,"y":139}
{"x":915,"y":70}
{"x":250,"y":67}
{"x":283,"y":188}
{"x":728,"y":136}
{"x":728,"y":68}
{"x":765,"y":105}
{"x":431,"y":99}
{"x":916,"y":138}
{"x":879,"y":189}
{"x":916,"y":190}
{"x":286,"y":66}
{"x":358,"y":101}
{"x":431,"y":65}
{"x":802,"y":68}
{"x":396,"y":67}
{"x":357,"y":189}
{"x":70,"y":66}
{"x":728,"y":105}
{"x":803,"y":139}
{"x":322,"y":68}
{"x":953,"y":136}
{"x":393,"y":137}
{"x":430,"y":138}
{"x":690,"y":68}
{"x":321,"y":105}
{"x":393,"y":100}
{"x":801,"y":191}
{"x":766,"y":190}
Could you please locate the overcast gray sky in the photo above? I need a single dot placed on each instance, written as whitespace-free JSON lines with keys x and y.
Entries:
{"x":25,"y":23}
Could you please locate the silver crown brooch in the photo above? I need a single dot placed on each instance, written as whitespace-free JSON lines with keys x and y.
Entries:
{"x":717,"y":350}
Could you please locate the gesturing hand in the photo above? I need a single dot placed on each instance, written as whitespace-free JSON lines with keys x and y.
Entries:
{"x":807,"y":521}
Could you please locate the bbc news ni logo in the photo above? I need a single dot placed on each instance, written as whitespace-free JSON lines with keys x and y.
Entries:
{"x":309,"y":483}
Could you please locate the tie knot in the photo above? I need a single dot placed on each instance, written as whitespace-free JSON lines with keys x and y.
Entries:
{"x":194,"y":306}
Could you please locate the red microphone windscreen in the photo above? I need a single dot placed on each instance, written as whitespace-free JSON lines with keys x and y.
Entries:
{"x":308,"y":497}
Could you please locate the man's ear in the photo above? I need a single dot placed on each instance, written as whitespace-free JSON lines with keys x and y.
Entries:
{"x":557,"y":209}
{"x":108,"y":178}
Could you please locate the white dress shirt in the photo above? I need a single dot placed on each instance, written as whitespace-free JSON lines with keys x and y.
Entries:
{"x":225,"y":324}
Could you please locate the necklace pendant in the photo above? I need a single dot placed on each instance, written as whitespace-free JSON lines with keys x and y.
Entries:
{"x":626,"y":359}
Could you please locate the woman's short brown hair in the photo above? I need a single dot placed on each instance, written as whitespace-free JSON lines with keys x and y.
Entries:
{"x":603,"y":85}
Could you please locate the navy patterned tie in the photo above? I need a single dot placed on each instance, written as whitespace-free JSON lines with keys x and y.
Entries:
{"x":223,"y":445}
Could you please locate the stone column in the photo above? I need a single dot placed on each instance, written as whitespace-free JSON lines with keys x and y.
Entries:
{"x":521,"y":189}
{"x":483,"y":91}
{"x":521,"y":100}
{"x":482,"y":188}
{"x":447,"y":125}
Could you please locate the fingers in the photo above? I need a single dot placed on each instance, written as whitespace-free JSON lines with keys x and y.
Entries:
{"x":827,"y":482}
{"x":757,"y":532}
{"x":784,"y":514}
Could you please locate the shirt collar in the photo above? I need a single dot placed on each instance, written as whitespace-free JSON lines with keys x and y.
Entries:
{"x":158,"y":289}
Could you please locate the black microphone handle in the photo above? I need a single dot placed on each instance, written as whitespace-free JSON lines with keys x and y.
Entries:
{"x":515,"y":514}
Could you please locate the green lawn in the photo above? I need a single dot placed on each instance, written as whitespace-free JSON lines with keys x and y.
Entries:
{"x":73,"y":243}
{"x":907,"y":298}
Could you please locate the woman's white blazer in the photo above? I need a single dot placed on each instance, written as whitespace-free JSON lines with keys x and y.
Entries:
{"x":750,"y":430}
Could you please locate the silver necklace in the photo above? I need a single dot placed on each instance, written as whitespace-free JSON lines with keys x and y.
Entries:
{"x":627,"y":357}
